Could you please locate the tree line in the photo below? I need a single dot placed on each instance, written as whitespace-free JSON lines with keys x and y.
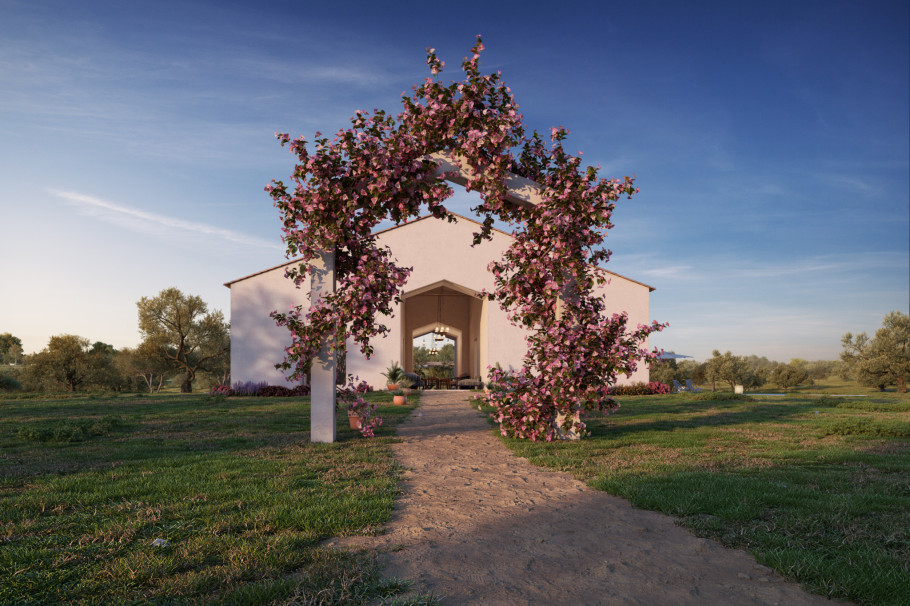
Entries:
{"x":180,"y":338}
{"x":880,"y":361}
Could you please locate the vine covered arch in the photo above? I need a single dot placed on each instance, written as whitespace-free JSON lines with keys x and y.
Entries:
{"x":384,"y":167}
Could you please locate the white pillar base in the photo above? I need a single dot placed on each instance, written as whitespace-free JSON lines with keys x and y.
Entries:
{"x":323,"y":419}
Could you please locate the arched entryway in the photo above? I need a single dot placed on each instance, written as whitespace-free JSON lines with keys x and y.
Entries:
{"x":456,"y":309}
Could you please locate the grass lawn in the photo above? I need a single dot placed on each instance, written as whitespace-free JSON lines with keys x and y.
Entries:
{"x":87,"y":484}
{"x":816,"y":488}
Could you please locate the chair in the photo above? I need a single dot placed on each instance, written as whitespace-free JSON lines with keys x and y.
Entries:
{"x":470,"y":383}
{"x":677,"y":386}
{"x":690,"y":387}
{"x":416,"y":380}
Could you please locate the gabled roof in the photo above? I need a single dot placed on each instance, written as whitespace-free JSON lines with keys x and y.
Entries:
{"x":405,"y":224}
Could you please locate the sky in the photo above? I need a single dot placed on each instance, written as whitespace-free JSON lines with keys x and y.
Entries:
{"x":770,"y":141}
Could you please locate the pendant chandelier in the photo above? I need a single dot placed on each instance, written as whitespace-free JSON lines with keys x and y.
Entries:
{"x":441,"y":332}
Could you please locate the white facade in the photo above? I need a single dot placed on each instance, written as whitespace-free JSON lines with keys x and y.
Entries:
{"x":447,"y":274}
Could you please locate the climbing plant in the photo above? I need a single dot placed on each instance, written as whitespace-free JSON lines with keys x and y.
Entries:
{"x":380,"y":168}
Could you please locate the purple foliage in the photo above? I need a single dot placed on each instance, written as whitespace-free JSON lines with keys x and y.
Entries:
{"x":248,"y":388}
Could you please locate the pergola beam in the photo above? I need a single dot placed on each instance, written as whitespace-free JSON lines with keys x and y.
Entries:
{"x":522,"y":191}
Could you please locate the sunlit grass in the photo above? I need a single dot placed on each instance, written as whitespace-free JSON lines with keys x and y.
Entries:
{"x":235,"y":488}
{"x":817,"y":488}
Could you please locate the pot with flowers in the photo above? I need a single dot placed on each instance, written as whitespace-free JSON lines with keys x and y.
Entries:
{"x":361,"y":414}
{"x":400,"y":395}
{"x":394,"y":374}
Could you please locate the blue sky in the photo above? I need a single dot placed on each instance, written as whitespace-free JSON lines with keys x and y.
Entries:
{"x":771,"y":143}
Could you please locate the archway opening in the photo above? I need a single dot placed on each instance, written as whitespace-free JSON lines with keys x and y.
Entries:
{"x":435,"y":357}
{"x":447,"y":317}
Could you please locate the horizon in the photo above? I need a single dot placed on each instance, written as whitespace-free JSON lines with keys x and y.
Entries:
{"x":771,"y":145}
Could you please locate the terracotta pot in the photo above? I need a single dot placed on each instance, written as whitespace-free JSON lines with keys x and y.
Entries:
{"x":354,"y":421}
{"x":392,"y":386}
{"x":399,"y":400}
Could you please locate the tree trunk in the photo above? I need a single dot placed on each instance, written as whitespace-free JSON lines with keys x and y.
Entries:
{"x":187,"y":385}
{"x":901,"y":385}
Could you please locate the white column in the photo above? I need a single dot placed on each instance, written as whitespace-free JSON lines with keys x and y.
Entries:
{"x":322,"y":373}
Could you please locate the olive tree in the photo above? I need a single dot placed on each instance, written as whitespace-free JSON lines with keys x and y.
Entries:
{"x":146,"y":363}
{"x":10,"y":349}
{"x":181,"y":329}
{"x":67,"y":361}
{"x":884,"y":359}
{"x":790,"y":375}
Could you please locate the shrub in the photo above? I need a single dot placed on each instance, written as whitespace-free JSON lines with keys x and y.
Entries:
{"x":280,"y":391}
{"x":720,"y":396}
{"x":873,"y":406}
{"x":248,"y":388}
{"x":8,"y":383}
{"x":640,"y":389}
{"x":221,"y":390}
{"x":274,"y":391}
{"x":70,"y":430}
{"x":868,"y":427}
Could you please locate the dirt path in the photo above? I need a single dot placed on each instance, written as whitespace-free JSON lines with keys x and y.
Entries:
{"x":477,"y":525}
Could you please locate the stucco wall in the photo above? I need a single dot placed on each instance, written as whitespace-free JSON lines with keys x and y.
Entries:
{"x":625,"y":295}
{"x":437,"y":250}
{"x":257,"y":344}
{"x":440,"y":250}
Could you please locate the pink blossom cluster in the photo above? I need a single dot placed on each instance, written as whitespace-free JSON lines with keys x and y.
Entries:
{"x":350,"y":398}
{"x":378,"y":169}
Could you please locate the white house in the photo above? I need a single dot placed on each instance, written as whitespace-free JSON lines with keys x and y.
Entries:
{"x":442,"y":289}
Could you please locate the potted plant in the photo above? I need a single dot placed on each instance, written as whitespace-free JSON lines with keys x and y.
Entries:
{"x":405,"y":385}
{"x":394,"y":374}
{"x":360,"y":412}
{"x":399,"y":397}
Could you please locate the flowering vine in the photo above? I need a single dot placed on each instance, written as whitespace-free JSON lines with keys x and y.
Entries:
{"x":379,"y":168}
{"x":350,"y":398}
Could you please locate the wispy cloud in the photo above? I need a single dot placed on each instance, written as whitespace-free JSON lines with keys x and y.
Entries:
{"x":145,"y":222}
{"x":670,"y":272}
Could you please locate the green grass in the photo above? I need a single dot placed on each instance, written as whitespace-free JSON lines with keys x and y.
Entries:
{"x":87,"y":484}
{"x":816,"y":488}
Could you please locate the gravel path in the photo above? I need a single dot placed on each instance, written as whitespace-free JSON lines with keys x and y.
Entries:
{"x":477,"y":525}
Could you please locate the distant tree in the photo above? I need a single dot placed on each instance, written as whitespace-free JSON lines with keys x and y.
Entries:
{"x":219,"y":369}
{"x":790,"y":375}
{"x":665,"y":371}
{"x":819,"y":370}
{"x":755,"y":377}
{"x":10,"y":349}
{"x":182,"y":329}
{"x":66,"y":361}
{"x":692,"y":370}
{"x":759,"y":362}
{"x":106,"y":374}
{"x":729,"y":368}
{"x":147,"y":364}
{"x":883,"y":360}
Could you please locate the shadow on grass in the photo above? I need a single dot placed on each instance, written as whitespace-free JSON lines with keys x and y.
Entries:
{"x":745,"y":413}
{"x":165,"y":431}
